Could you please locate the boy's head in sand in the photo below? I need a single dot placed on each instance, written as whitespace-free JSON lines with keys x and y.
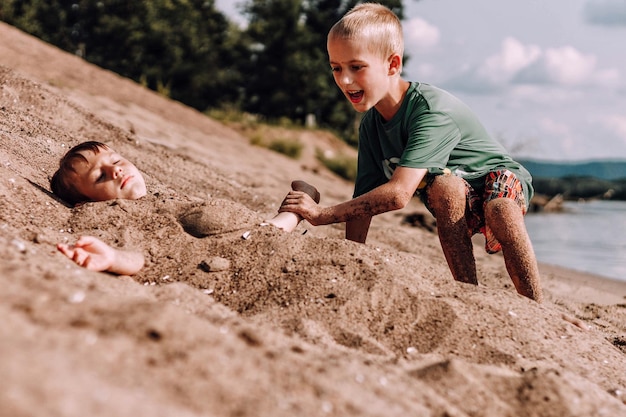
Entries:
{"x":92,"y":171}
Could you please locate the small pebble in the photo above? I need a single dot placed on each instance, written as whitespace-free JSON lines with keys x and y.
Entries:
{"x":215,"y":264}
{"x":19,"y":245}
{"x":77,"y":297}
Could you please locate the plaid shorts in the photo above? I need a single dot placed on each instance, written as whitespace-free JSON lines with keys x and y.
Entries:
{"x":498,"y":184}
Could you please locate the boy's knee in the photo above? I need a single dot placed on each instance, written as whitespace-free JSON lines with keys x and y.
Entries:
{"x":503,"y":208}
{"x":446,"y":191}
{"x":506,"y":220}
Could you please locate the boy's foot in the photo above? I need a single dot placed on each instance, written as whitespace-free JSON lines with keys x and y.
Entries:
{"x":299,"y":185}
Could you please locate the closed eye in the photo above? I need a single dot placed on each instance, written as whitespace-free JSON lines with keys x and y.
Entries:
{"x":103,"y":175}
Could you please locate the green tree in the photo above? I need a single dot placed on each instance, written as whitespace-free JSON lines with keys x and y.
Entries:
{"x":276,"y":62}
{"x":276,"y":67}
{"x":183,"y":48}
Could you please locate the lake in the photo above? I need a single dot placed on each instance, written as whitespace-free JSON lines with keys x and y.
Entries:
{"x":587,"y":236}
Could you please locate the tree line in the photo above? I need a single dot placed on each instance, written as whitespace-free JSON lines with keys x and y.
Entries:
{"x":581,"y":188}
{"x":275,"y":67}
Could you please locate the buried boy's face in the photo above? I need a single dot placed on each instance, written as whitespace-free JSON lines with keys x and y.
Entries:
{"x":106,"y":176}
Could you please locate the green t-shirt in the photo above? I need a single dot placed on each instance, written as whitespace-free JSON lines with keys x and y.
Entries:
{"x":432,"y":130}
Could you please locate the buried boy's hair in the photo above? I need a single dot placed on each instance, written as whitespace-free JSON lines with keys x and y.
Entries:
{"x":61,"y":181}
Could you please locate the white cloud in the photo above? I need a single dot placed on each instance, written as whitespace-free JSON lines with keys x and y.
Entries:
{"x":425,"y":71}
{"x":513,"y":57}
{"x":586,"y":138}
{"x":420,"y":34}
{"x":606,"y":12}
{"x":608,"y":77}
{"x":561,"y":141}
{"x":527,"y":64}
{"x":617,"y":124}
{"x":497,"y":70}
{"x":562,"y":66}
{"x":568,"y":66}
{"x":552,"y":127}
{"x":606,"y":135}
{"x":546,"y":96}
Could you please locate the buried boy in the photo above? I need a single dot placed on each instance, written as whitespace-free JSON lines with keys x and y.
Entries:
{"x":92,"y":171}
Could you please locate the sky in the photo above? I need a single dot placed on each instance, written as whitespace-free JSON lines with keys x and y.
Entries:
{"x":546,"y":77}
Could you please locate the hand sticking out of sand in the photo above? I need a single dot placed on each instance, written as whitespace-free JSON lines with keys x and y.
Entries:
{"x":95,"y":255}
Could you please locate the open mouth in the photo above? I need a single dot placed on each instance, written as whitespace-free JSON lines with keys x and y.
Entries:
{"x":355,"y":96}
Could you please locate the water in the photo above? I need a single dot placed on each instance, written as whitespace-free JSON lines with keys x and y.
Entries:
{"x":589,"y":237}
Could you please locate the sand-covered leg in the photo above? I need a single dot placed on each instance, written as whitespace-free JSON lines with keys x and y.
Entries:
{"x":506,"y":221}
{"x":447,"y":199}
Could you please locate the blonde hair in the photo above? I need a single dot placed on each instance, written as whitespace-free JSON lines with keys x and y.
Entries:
{"x":375,"y":24}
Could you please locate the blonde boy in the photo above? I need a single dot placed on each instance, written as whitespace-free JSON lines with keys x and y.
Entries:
{"x":415,"y":138}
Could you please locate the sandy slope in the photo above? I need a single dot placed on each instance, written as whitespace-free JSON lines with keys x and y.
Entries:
{"x":292,"y":324}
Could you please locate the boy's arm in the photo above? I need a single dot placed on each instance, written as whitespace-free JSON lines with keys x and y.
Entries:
{"x":393,"y":195}
{"x":93,"y":254}
{"x":127,"y":263}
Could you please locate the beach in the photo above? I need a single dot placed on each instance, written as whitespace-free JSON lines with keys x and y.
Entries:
{"x":282,"y":324}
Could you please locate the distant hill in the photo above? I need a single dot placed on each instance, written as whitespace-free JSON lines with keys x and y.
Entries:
{"x":607,"y":170}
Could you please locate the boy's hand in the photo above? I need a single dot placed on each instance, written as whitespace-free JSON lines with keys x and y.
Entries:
{"x":302,"y":204}
{"x":89,"y":252}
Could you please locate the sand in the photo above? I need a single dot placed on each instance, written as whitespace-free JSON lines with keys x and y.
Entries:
{"x":274,"y":324}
